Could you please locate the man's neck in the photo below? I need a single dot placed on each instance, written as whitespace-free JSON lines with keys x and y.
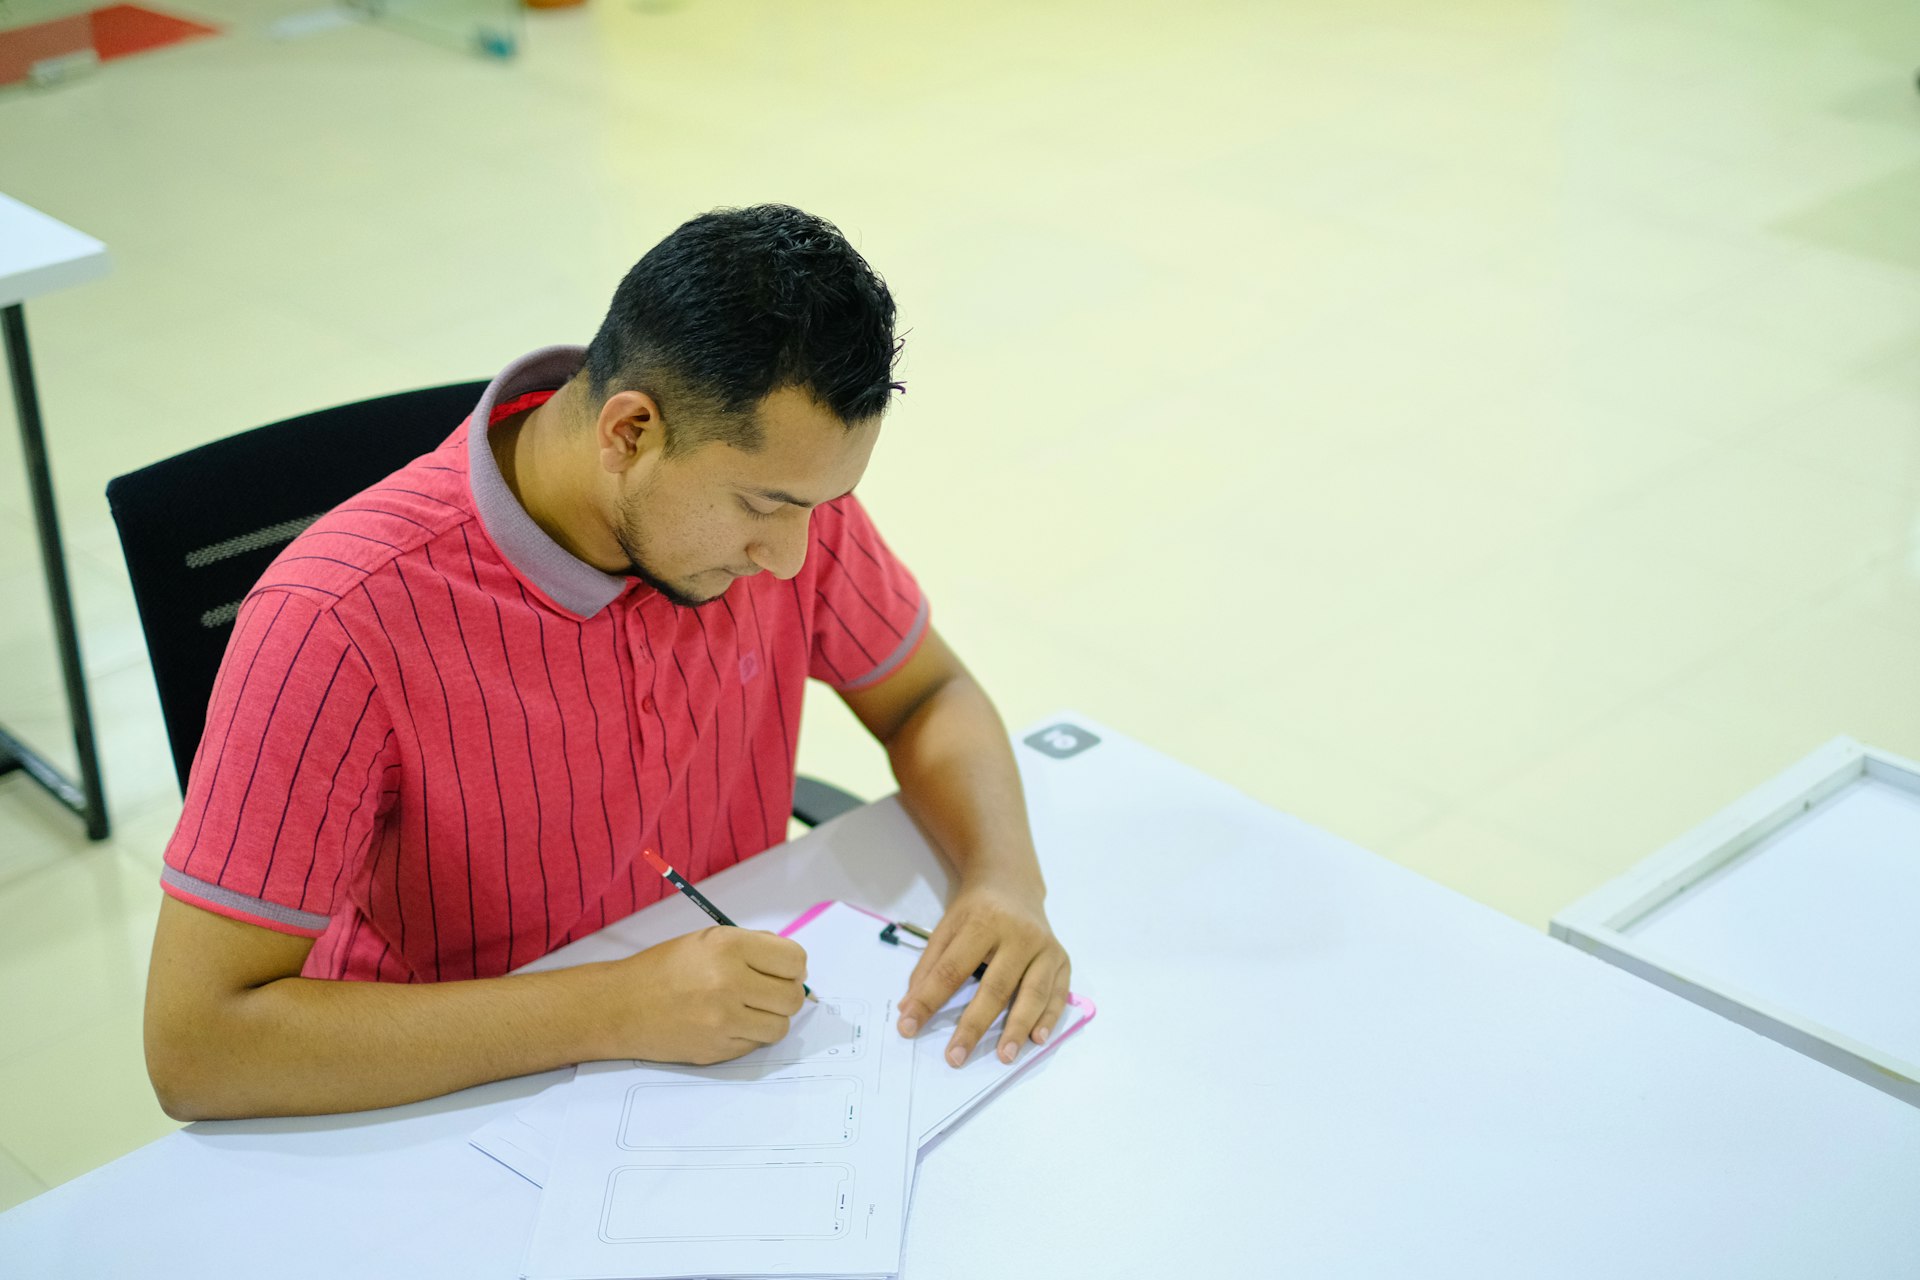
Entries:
{"x":539,"y":455}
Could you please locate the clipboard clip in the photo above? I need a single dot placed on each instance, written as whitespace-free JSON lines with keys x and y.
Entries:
{"x":916,"y":940}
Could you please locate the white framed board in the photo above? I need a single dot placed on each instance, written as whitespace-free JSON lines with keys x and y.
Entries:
{"x":1795,"y":912}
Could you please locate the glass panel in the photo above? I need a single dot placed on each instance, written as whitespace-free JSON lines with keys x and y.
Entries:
{"x":490,"y":28}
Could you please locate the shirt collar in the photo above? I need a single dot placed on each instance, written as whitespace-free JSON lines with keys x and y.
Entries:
{"x":555,"y":572}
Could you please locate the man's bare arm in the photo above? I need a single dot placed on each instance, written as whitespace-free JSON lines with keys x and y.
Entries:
{"x":957,"y":776}
{"x":232,"y":1030}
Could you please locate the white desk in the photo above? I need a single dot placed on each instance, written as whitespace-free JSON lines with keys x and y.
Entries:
{"x":1307,"y":1062}
{"x":39,"y":255}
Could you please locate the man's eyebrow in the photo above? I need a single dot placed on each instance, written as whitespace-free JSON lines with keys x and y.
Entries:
{"x":781,"y":495}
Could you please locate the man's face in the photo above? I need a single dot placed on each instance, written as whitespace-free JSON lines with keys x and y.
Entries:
{"x":691,"y":524}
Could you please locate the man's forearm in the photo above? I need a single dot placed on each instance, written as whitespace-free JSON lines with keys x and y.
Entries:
{"x":300,"y":1046}
{"x":959,"y":782}
{"x":232,"y":1030}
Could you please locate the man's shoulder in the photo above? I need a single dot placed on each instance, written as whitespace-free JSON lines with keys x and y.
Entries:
{"x":843,"y":526}
{"x":375,"y":533}
{"x":851,"y":547}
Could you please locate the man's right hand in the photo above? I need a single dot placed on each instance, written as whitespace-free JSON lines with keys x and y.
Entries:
{"x":705,"y":997}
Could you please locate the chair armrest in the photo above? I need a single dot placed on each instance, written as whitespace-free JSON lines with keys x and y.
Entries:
{"x":815,"y":802}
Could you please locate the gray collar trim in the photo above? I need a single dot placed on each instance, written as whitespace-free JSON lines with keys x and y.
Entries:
{"x":561,"y":576}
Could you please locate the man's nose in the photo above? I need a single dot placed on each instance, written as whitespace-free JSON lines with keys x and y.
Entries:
{"x":782,"y":552}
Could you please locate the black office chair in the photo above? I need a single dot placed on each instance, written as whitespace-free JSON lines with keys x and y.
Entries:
{"x":199,"y":528}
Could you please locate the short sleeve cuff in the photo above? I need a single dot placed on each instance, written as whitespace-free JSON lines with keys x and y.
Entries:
{"x":908,"y":646}
{"x":239,"y":906}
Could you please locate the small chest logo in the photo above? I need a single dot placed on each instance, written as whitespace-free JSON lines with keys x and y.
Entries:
{"x":749,"y":665}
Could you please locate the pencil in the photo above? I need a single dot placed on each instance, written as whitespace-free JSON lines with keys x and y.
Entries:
{"x":698,"y":899}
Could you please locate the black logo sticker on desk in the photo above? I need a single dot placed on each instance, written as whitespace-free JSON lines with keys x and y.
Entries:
{"x":1061,"y":740}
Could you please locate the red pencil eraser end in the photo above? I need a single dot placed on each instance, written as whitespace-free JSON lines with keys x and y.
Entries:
{"x":655,"y":861}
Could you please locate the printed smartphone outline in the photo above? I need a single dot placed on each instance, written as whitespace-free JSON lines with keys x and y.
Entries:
{"x":849,"y":1120}
{"x":841,"y":1196}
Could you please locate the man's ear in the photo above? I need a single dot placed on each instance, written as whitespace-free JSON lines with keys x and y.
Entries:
{"x":629,"y":427}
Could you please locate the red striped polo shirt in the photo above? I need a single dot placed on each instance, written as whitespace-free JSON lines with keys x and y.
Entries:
{"x":438,"y":740}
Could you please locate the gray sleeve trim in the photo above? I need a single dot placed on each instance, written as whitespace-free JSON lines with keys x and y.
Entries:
{"x":220,"y":896}
{"x":893,"y":660}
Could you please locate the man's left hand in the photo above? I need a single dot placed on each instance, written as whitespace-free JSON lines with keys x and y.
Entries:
{"x":1027,"y":970}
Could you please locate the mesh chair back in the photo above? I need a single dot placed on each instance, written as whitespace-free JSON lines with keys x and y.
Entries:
{"x":199,"y":528}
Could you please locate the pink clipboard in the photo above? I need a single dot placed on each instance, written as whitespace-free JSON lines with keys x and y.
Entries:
{"x":1083,"y":1012}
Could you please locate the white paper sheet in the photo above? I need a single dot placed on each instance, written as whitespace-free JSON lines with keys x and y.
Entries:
{"x":792,"y":1160}
{"x":841,"y":942}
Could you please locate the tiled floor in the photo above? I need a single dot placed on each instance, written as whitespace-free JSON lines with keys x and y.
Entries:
{"x":1490,"y":431}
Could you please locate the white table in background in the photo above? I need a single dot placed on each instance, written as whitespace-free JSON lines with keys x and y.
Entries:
{"x":1307,"y":1062}
{"x":39,"y":255}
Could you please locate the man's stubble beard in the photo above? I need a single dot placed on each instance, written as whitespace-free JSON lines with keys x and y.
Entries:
{"x":627,"y":534}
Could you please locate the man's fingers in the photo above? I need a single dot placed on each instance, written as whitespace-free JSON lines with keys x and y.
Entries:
{"x":996,"y":992}
{"x":773,"y":955}
{"x":779,"y":996}
{"x":760,"y":1026}
{"x":928,"y":954}
{"x":1043,"y":1029}
{"x":913,"y":1010}
{"x":1036,"y":989}
{"x":939,"y":975}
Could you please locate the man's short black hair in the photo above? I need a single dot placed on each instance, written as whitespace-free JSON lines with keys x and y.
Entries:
{"x":738,"y":303}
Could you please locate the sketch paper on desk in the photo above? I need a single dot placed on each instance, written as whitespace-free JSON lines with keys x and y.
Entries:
{"x":792,"y":1160}
{"x":843,"y":949}
{"x":942,"y":1096}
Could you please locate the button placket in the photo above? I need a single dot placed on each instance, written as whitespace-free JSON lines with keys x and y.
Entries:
{"x":637,"y":650}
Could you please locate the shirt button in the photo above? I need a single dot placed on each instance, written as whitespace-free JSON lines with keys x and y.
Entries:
{"x":646,"y":704}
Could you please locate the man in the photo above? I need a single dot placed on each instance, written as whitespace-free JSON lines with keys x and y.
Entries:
{"x":457,"y":707}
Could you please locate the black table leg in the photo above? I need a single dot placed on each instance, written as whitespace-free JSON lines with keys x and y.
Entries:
{"x":87,"y":798}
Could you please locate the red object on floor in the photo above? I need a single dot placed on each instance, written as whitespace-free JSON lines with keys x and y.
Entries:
{"x":123,"y":29}
{"x":24,"y":48}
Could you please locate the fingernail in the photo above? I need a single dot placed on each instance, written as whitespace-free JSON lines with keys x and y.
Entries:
{"x":956,"y":1056}
{"x":1040,"y":1036}
{"x":1008,"y":1052}
{"x":908,"y":1026}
